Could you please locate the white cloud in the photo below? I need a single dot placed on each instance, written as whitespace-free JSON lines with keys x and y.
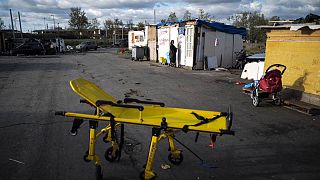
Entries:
{"x":34,"y":11}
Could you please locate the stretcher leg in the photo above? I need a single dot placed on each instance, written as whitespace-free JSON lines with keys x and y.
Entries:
{"x":175,"y":156}
{"x":112,"y":153}
{"x":148,"y":173}
{"x":90,"y":156}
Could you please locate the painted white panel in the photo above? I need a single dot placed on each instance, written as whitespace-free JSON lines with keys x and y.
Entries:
{"x":163,"y":43}
{"x":253,"y":71}
{"x":136,"y":38}
{"x":182,"y":50}
{"x":189,"y":45}
{"x":152,"y":50}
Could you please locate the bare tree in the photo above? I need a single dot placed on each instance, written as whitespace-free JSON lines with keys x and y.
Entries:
{"x":2,"y":26}
{"x":204,"y":15}
{"x":187,"y":16}
{"x":94,"y":23}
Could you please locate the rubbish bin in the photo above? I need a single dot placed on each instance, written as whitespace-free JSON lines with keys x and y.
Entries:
{"x":137,"y":53}
{"x":146,"y":52}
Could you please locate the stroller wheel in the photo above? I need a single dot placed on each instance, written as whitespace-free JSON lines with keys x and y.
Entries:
{"x":255,"y":101}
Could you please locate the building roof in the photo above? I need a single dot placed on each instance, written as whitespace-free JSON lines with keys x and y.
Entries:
{"x":213,"y":25}
{"x":292,"y":27}
{"x":257,"y":56}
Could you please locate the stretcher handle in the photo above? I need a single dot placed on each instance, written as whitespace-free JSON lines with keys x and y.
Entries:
{"x":110,"y":103}
{"x":130,"y":100}
{"x":277,"y":65}
{"x":85,"y":101}
{"x":59,"y":113}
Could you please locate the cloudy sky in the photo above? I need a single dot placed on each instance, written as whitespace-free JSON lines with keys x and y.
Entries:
{"x":36,"y":13}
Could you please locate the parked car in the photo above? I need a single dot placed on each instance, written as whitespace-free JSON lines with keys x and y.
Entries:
{"x":86,"y":46}
{"x":31,"y":47}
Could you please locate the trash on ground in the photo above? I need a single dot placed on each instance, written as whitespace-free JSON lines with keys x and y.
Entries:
{"x":165,"y":166}
{"x":221,"y":69}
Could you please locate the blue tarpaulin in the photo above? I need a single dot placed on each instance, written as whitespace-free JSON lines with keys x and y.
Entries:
{"x":214,"y":25}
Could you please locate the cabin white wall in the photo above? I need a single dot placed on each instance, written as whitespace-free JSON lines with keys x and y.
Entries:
{"x":209,"y":48}
{"x":228,"y":51}
{"x":174,"y":37}
{"x":238,"y":44}
{"x":227,"y":44}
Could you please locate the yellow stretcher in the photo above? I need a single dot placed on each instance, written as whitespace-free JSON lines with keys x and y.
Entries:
{"x":164,"y":120}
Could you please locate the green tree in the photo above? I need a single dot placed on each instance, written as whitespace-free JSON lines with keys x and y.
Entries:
{"x":187,"y":16}
{"x":275,"y":18}
{"x":172,"y":17}
{"x":250,"y":21}
{"x":163,"y":20}
{"x":2,"y":26}
{"x":78,"y":19}
{"x":140,"y":26}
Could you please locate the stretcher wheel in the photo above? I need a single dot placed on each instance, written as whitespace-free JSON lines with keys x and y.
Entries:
{"x":142,"y":176}
{"x":85,"y":157}
{"x":176,"y":160}
{"x":108,"y":155}
{"x":105,"y":139}
{"x":99,"y":173}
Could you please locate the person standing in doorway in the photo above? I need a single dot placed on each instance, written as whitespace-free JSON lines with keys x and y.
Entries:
{"x":172,"y":54}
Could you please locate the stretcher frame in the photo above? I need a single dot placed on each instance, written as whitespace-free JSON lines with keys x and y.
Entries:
{"x":118,"y":113}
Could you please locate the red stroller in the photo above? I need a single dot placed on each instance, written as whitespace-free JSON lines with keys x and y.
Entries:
{"x":269,"y":86}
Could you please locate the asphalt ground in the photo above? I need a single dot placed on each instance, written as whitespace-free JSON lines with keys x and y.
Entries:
{"x":270,"y":143}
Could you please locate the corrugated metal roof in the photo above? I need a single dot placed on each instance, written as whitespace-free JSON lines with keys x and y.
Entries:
{"x":292,"y":27}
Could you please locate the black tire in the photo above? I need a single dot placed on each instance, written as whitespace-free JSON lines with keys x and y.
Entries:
{"x":175,"y":160}
{"x":99,"y":173}
{"x":255,"y":99}
{"x":105,"y":138}
{"x":277,"y":102}
{"x":108,"y":155}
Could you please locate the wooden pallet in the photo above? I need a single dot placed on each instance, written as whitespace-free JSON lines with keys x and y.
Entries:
{"x":302,"y":107}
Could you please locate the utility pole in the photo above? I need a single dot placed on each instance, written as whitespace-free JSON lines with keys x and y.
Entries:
{"x":154,"y":16}
{"x":122,"y":32}
{"x":54,"y":23}
{"x":20,"y":24}
{"x":44,"y":22}
{"x":12,"y":25}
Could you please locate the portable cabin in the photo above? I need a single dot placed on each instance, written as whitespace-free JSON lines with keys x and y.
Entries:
{"x":198,"y":41}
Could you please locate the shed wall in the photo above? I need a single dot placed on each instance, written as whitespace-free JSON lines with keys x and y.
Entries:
{"x":300,"y":52}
